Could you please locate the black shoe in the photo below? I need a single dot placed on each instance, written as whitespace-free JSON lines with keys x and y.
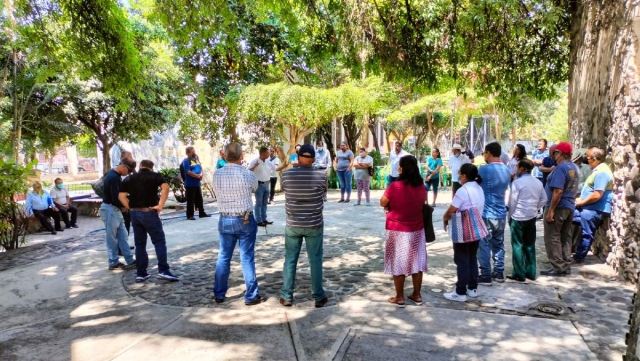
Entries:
{"x":191,"y":218}
{"x":218,"y":300}
{"x":285,"y":303}
{"x":347,"y":201}
{"x":518,"y":279}
{"x":204,"y":215}
{"x":54,"y":232}
{"x":322,"y":302}
{"x":262,"y":224}
{"x":67,"y":227}
{"x":484,"y":281}
{"x":74,"y":226}
{"x":268,"y":222}
{"x":499,"y":277}
{"x":131,"y":265}
{"x":553,"y":272}
{"x":257,"y":301}
{"x":341,"y":201}
{"x":59,"y":230}
{"x":119,"y":266}
{"x":132,"y":247}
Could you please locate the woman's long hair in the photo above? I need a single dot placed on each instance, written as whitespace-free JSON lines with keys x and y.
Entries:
{"x":410,"y":171}
{"x":471,"y":172}
{"x":437,"y":151}
{"x":519,"y":152}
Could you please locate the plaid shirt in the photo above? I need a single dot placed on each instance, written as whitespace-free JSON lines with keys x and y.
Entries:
{"x":234,"y":187}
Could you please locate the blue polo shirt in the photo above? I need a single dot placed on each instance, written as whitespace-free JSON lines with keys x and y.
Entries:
{"x":566,"y":177}
{"x":495,"y":181}
{"x":193,"y":165}
{"x":538,"y":154}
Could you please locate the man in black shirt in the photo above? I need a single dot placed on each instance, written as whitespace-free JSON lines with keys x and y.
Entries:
{"x":111,"y":214}
{"x":144,"y":207}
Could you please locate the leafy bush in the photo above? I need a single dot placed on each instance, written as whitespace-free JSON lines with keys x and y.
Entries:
{"x":13,"y":220}
{"x":171,"y":176}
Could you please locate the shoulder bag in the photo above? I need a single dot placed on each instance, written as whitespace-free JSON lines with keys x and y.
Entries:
{"x":467,"y":226}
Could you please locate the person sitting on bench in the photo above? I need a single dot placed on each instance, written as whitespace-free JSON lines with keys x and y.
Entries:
{"x":39,"y":204}
{"x":61,"y":199}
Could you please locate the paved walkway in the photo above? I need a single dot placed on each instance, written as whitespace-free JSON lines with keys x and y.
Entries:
{"x":59,"y":302}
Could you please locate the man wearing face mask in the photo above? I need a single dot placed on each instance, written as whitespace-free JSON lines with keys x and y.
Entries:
{"x":561,"y":189}
{"x":323,"y":162}
{"x":60,"y":196}
{"x":394,"y":159}
{"x":193,"y":177}
{"x":595,"y":200}
{"x":456,"y":160}
{"x":111,"y":214}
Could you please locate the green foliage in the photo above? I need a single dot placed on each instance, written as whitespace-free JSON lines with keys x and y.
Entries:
{"x":13,"y":221}
{"x":172,"y":177}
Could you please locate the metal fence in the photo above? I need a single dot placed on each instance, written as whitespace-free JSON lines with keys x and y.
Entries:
{"x":381,"y":178}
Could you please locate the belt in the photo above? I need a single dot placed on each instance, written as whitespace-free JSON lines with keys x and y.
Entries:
{"x":145,"y":209}
{"x":234,"y":214}
{"x":321,"y":167}
{"x":263,"y":182}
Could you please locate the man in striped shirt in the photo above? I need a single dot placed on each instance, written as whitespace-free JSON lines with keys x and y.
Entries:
{"x":234,"y":185}
{"x":304,"y":188}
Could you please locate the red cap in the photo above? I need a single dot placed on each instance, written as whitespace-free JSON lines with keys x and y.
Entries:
{"x":564,"y":147}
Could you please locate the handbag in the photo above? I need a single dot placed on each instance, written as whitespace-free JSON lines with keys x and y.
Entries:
{"x":467,"y":226}
{"x":372,"y":171}
{"x":427,"y":220}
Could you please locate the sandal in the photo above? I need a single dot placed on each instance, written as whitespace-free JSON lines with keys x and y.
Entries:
{"x":395,"y":302}
{"x":418,"y":303}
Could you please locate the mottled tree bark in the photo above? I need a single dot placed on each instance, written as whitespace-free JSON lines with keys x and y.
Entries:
{"x":604,"y":108}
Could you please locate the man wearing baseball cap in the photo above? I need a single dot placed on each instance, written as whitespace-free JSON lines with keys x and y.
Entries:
{"x":456,"y":160}
{"x":561,"y":189}
{"x":304,"y":189}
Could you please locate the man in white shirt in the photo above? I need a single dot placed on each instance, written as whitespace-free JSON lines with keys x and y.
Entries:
{"x":323,"y":162}
{"x":262,"y":168}
{"x":456,"y":160}
{"x":394,"y":160}
{"x":273,"y":158}
{"x":61,"y":199}
{"x":527,"y":196}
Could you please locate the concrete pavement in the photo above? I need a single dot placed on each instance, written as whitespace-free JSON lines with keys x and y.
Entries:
{"x":66,"y":305}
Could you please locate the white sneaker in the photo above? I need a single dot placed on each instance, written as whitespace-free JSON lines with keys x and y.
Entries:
{"x":453,"y":296}
{"x":472,"y":293}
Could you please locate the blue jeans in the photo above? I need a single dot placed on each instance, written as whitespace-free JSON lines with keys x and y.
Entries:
{"x":293,"y":237}
{"x":344,"y":178}
{"x":262,"y":198}
{"x":116,"y":234}
{"x":589,"y":220}
{"x":148,"y":223}
{"x":232,"y":229}
{"x":494,"y":243}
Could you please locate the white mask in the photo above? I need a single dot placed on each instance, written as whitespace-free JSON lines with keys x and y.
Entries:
{"x":456,"y":155}
{"x":320,"y":149}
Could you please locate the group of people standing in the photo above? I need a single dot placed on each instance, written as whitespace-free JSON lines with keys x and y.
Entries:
{"x":479,"y":194}
{"x":480,"y":211}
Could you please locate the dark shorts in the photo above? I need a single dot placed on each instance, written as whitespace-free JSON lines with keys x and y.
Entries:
{"x":433,"y":183}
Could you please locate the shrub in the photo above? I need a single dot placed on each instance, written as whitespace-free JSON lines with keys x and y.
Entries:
{"x":13,"y":220}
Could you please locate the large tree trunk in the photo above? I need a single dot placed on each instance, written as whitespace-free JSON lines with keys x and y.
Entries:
{"x":105,"y":147}
{"x":604,"y":102}
{"x":373,"y":128}
{"x":351,"y":131}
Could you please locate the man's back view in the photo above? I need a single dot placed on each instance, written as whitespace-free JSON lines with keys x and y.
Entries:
{"x":304,"y":188}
